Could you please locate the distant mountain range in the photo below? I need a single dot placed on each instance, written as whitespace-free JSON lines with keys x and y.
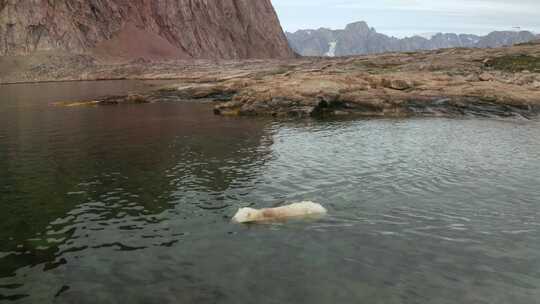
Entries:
{"x":359,"y":39}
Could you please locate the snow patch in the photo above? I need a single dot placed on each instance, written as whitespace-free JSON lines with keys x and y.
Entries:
{"x":332,"y":49}
{"x":427,"y":36}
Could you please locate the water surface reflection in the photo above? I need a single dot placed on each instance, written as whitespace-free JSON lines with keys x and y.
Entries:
{"x":132,"y":204}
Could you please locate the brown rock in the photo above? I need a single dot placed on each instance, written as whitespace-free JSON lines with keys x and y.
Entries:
{"x":397,"y":84}
{"x":526,"y":79}
{"x":136,"y":98}
{"x":230,"y":29}
{"x":472,"y":78}
{"x":486,"y":77}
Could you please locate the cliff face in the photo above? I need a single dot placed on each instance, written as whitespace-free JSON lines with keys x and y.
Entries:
{"x":228,"y":29}
{"x":359,"y":39}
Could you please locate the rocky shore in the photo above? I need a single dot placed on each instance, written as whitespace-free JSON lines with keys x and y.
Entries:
{"x":498,"y":82}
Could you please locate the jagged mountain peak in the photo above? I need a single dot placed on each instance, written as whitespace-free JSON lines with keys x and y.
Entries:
{"x":358,"y":38}
{"x":360,"y":26}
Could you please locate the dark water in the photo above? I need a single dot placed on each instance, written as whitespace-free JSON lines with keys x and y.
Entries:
{"x":131,"y":204}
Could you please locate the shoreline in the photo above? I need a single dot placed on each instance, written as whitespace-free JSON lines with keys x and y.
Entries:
{"x":449,"y":82}
{"x":86,"y":80}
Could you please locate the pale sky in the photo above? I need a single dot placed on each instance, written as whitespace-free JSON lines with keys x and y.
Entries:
{"x":409,"y":17}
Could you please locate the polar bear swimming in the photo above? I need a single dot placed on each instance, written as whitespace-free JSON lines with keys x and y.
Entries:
{"x":296,"y":210}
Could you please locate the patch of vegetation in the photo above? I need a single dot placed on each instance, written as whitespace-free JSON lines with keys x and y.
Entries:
{"x":515,"y":63}
{"x":376,"y":67}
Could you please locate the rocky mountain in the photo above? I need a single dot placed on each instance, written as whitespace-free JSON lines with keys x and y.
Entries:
{"x":228,"y":29}
{"x":359,"y":39}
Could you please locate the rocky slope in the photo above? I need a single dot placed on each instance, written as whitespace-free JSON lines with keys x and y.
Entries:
{"x":359,"y":39}
{"x":230,"y":29}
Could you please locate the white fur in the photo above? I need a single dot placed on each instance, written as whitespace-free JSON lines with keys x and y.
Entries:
{"x":296,"y":210}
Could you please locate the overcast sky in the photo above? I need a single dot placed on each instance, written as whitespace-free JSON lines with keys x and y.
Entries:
{"x":408,"y":17}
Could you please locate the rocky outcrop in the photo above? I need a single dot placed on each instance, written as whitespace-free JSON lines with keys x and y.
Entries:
{"x":498,"y":82}
{"x":227,"y":29}
{"x":359,"y":39}
{"x":502,"y":82}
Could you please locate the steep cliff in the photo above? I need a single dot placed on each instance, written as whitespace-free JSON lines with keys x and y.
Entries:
{"x":228,"y":29}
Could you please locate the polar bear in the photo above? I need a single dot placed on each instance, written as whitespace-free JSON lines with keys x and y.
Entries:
{"x":296,"y":210}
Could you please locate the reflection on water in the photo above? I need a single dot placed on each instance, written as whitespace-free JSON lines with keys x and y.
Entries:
{"x":132,"y":204}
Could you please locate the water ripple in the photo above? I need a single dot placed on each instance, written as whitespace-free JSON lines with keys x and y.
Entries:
{"x":134,"y":204}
